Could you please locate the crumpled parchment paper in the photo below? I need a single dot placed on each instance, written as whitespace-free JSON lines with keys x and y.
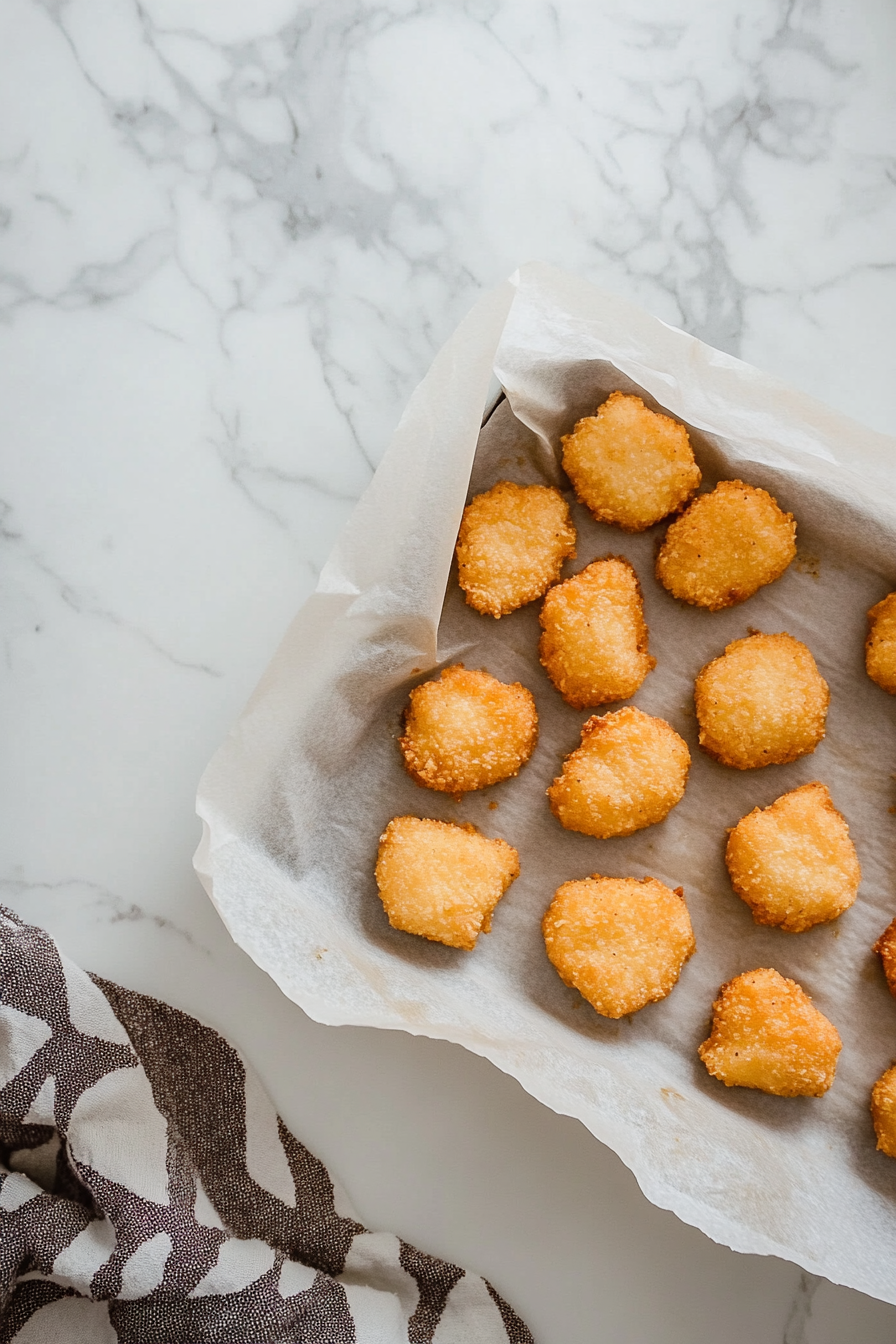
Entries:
{"x":294,"y":802}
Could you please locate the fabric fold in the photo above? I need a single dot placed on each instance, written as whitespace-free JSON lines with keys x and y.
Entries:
{"x":162,"y":1188}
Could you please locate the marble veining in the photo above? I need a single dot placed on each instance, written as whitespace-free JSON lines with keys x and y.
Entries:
{"x":798,"y":1322}
{"x":105,"y":905}
{"x":232,"y":237}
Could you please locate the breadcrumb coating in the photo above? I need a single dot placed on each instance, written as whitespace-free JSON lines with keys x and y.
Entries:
{"x":466,"y":730}
{"x":630,"y":465}
{"x":629,"y":772}
{"x":725,"y":546}
{"x":620,"y":941}
{"x":442,"y":881}
{"x":883,"y":1111}
{"x":512,"y":543}
{"x":885,"y":947}
{"x":880,"y":646}
{"x":768,"y":1034}
{"x":594,"y":645}
{"x":793,"y":862}
{"x":763,"y":702}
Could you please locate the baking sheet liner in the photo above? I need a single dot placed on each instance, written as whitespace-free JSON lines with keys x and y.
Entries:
{"x":294,"y":802}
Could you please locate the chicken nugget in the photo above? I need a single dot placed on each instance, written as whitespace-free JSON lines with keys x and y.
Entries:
{"x":885,"y":947}
{"x":465,"y":730}
{"x":763,"y":702}
{"x":621,"y":942}
{"x":442,"y":881}
{"x":512,"y":543}
{"x":725,"y":546}
{"x":883,"y":1111}
{"x":594,"y":645}
{"x":880,"y":646}
{"x":768,"y":1034}
{"x":629,"y":772}
{"x":793,"y":862}
{"x":630,"y":465}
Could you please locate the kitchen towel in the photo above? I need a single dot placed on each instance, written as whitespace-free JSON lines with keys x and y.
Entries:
{"x":149,"y":1192}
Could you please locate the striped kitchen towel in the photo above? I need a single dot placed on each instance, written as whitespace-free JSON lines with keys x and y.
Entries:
{"x":149,"y":1192}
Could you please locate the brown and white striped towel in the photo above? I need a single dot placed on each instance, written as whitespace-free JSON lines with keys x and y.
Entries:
{"x":150,"y":1193}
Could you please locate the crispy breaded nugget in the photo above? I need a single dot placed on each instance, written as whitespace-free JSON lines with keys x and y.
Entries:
{"x":630,"y":465}
{"x":885,"y":947}
{"x":619,"y":941}
{"x":629,"y":772}
{"x":793,"y":862}
{"x":512,"y":543}
{"x":768,"y":1034}
{"x":594,"y":645}
{"x":442,"y":881}
{"x":883,"y":1111}
{"x":880,"y":646}
{"x":466,"y":730}
{"x":763,"y":702}
{"x":725,"y":546}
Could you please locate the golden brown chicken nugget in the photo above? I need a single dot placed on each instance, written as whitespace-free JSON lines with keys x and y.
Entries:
{"x":594,"y":645}
{"x":725,"y":546}
{"x":512,"y":543}
{"x":885,"y":947}
{"x":630,"y":465}
{"x":465,"y":730}
{"x":763,"y":702}
{"x":629,"y":772}
{"x":442,"y":881}
{"x":768,"y":1034}
{"x":880,"y":646}
{"x":621,"y":942}
{"x":883,"y":1111}
{"x":793,"y":862}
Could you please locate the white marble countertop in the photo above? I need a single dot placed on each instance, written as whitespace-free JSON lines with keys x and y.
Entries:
{"x":232,"y":236}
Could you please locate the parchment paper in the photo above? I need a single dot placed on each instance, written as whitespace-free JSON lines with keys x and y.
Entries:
{"x":294,"y":802}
